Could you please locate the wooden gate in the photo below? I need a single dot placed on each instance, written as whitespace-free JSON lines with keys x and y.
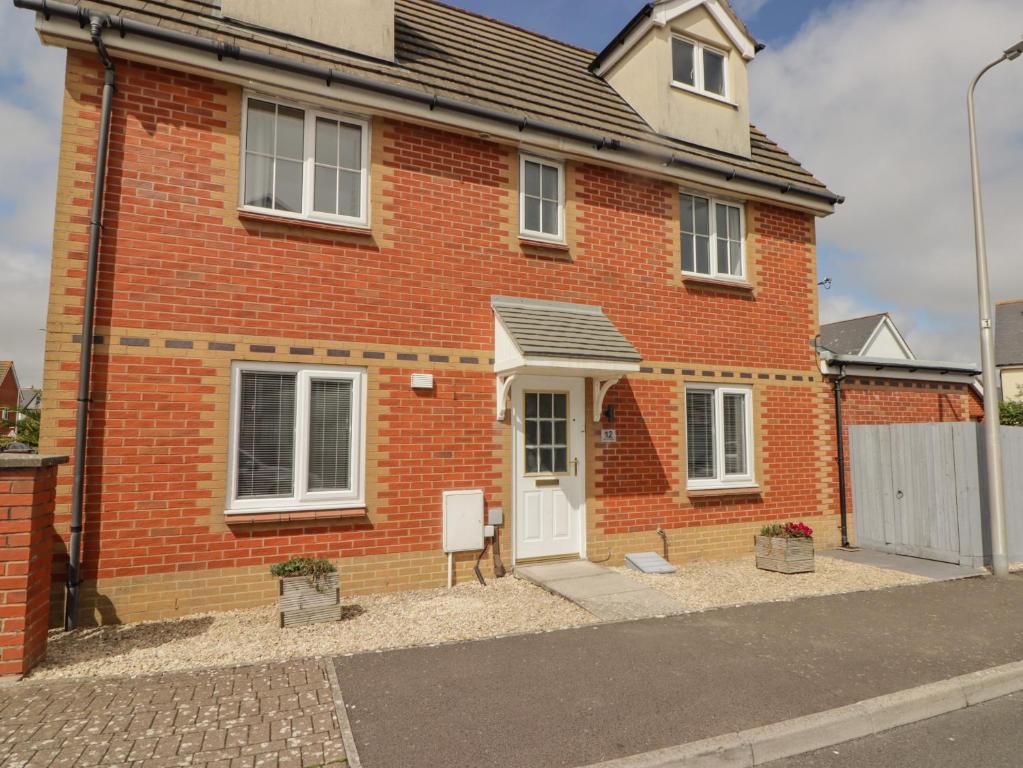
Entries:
{"x":909,"y":481}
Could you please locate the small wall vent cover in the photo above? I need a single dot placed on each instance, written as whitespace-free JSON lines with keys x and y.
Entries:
{"x":422,"y":381}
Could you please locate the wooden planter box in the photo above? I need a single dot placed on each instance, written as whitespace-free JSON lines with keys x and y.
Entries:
{"x":785,"y":555}
{"x":304,"y":600}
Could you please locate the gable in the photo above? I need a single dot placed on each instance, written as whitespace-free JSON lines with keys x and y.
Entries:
{"x":887,"y":342}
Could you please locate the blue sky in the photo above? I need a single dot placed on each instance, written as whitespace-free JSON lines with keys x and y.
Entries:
{"x":859,"y":91}
{"x":573,"y":21}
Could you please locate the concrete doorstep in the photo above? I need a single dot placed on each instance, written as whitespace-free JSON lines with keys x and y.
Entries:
{"x":759,"y":746}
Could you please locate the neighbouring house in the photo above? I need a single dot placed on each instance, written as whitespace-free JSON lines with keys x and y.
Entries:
{"x":346,"y":267}
{"x":876,"y":379}
{"x":1009,"y":348}
{"x":30,"y":399}
{"x":8,"y":398}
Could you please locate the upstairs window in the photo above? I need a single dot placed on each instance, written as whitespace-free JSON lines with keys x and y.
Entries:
{"x":699,"y":67}
{"x":542,"y":199}
{"x":303,"y":163}
{"x":713,"y":237}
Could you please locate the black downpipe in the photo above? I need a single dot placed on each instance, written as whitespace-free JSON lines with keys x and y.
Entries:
{"x":96,"y":24}
{"x":839,"y":434}
{"x":225,"y":50}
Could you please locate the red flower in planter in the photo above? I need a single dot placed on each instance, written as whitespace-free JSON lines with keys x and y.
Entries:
{"x":798,"y":531}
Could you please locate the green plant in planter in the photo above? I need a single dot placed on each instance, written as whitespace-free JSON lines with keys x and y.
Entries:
{"x":787,"y":531}
{"x":313,"y":568}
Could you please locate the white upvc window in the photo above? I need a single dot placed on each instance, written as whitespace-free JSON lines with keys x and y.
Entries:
{"x":541,"y":199}
{"x":719,"y":436}
{"x":713,"y":237}
{"x":297,"y":437}
{"x":300,"y":162}
{"x":698,"y":67}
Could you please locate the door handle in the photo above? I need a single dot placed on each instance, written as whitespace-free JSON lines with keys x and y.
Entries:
{"x":575,"y":466}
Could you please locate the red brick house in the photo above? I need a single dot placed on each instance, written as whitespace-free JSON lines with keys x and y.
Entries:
{"x":8,"y":398}
{"x":609,"y":274}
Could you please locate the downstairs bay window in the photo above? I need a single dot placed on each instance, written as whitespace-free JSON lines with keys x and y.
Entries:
{"x":719,"y":437}
{"x":303,"y":163}
{"x":297,"y":437}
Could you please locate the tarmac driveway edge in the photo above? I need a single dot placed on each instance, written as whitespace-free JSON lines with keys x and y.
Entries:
{"x":758,"y":746}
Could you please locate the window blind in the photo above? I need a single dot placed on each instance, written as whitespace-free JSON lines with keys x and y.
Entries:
{"x":266,"y":434}
{"x":330,"y":435}
{"x":700,"y":434}
{"x":734,"y":412}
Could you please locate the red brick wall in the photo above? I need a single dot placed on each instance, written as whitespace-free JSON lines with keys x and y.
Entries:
{"x":179,"y":263}
{"x":9,"y":401}
{"x":26,"y":540}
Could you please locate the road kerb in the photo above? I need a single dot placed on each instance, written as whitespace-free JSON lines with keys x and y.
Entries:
{"x":758,"y":746}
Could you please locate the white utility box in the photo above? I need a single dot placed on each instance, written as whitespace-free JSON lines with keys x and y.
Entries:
{"x":463,"y":521}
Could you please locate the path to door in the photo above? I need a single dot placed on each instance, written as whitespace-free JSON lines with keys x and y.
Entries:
{"x":606,"y":594}
{"x":579,"y":696}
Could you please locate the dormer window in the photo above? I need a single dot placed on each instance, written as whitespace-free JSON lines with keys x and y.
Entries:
{"x":698,"y":67}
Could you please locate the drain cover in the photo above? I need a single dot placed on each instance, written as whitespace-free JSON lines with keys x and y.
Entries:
{"x":649,"y":562}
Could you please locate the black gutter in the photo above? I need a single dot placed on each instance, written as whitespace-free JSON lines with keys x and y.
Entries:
{"x":619,"y":39}
{"x":840,"y":438}
{"x":330,"y":76}
{"x":96,"y":25}
{"x":908,"y":365}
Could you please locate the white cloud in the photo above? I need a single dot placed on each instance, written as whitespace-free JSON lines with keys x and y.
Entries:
{"x":748,"y":7}
{"x":31,"y":89}
{"x":871,"y":97}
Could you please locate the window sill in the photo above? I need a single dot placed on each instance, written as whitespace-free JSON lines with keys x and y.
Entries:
{"x":249,"y":518}
{"x":324,"y":226}
{"x":717,"y":282}
{"x":712,"y":493}
{"x":548,"y":245}
{"x":704,"y":94}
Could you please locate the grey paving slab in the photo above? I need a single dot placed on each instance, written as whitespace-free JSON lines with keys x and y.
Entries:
{"x":580,"y":696}
{"x":266,"y":715}
{"x":988,"y":735}
{"x":607,"y":594}
{"x":931,"y":569}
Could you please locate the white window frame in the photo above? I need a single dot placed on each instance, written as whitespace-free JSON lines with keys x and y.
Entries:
{"x":530,"y":234}
{"x":309,"y":163}
{"x":700,"y":87}
{"x":714,"y":203}
{"x":302,"y":498}
{"x":722,"y":480}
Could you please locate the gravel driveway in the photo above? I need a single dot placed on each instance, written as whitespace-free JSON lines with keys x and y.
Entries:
{"x":426,"y":617}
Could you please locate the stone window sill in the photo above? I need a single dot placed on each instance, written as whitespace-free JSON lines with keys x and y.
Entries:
{"x":717,"y":282}
{"x":546,"y":245}
{"x":322,"y":226}
{"x":251,"y":518}
{"x":714,"y":493}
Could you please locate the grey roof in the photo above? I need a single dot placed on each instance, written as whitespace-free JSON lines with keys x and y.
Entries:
{"x":847,"y":337}
{"x":555,"y":329}
{"x":1009,"y":333}
{"x":30,"y":398}
{"x":465,"y":56}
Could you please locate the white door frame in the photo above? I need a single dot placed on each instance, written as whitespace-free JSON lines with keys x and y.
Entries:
{"x":578,"y":437}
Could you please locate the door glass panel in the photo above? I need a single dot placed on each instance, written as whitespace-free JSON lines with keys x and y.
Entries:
{"x":546,"y":432}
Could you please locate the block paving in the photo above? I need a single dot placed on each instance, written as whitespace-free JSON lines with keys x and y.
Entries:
{"x":265,"y":716}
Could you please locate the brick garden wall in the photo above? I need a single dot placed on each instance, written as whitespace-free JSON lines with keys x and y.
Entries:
{"x":27,"y":494}
{"x":188,"y":285}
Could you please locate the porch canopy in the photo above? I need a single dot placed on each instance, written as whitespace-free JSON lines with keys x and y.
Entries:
{"x":551,"y":338}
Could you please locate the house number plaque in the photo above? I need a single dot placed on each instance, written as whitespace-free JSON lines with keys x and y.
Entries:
{"x":609,"y":436}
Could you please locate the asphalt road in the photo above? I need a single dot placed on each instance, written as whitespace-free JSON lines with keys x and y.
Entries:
{"x":580,"y":696}
{"x":986,"y":736}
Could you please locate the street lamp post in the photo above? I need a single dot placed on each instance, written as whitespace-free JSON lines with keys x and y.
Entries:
{"x":992,"y":438}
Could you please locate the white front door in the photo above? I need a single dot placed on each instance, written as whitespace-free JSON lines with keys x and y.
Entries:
{"x":549,"y":463}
